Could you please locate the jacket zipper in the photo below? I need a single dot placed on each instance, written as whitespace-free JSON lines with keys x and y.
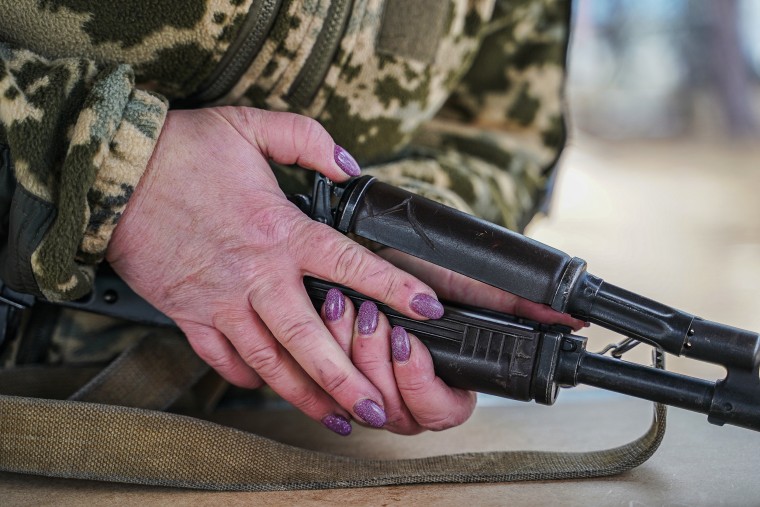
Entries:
{"x":308,"y":81}
{"x":239,"y":55}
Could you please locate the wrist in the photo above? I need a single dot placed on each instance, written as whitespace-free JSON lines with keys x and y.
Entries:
{"x":121,"y":170}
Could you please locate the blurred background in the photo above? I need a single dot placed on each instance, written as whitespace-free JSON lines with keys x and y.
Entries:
{"x":656,"y":69}
{"x":658,"y":186}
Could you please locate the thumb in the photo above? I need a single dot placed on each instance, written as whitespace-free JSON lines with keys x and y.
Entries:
{"x":289,"y":138}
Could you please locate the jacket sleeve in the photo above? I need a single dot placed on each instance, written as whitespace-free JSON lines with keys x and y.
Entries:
{"x":492,"y":149}
{"x":75,"y":138}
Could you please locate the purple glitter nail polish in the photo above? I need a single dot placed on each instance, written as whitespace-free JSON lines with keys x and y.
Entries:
{"x":338,"y":424}
{"x":335,"y":304}
{"x":400,"y":346}
{"x":346,"y":162}
{"x":427,"y":306}
{"x":370,"y":412}
{"x":367,"y":320}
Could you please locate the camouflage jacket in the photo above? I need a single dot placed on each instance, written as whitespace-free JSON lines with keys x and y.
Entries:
{"x":459,"y":100}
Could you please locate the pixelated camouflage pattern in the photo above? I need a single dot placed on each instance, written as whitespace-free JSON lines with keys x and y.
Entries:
{"x":87,"y":338}
{"x":73,"y":338}
{"x":476,"y":124}
{"x":171,"y":45}
{"x":492,"y":148}
{"x":371,"y":101}
{"x":479,"y":127}
{"x":80,"y":137}
{"x":79,"y":131}
{"x":516,"y":82}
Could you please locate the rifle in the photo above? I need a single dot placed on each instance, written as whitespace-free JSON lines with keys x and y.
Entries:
{"x":494,"y":353}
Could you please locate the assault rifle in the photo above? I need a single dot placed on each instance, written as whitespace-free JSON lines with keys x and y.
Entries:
{"x":499,"y":354}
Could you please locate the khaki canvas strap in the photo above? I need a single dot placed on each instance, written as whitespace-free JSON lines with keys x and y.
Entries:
{"x":80,"y":439}
{"x":152,"y":374}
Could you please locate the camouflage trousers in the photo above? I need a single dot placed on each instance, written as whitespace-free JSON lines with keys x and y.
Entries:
{"x":485,"y":141}
{"x":52,"y":335}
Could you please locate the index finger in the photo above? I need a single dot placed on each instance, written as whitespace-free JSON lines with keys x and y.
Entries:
{"x":348,"y":263}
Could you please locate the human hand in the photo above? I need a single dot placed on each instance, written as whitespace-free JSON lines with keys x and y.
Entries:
{"x":210,"y":240}
{"x":455,"y":287}
{"x":399,"y":365}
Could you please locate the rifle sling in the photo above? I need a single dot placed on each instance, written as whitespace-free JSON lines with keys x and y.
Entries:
{"x":103,"y":441}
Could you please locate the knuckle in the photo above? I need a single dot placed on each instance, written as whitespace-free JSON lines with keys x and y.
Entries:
{"x":303,"y":237}
{"x":453,"y":415}
{"x":370,"y":366}
{"x":253,"y":122}
{"x":269,"y":226}
{"x":306,"y":400}
{"x":309,"y":131}
{"x":256,"y":383}
{"x":401,"y":422}
{"x":438,"y":422}
{"x":350,"y":260}
{"x":295,"y":331}
{"x":336,"y":383}
{"x":230,"y":368}
{"x":266,"y":287}
{"x":264,"y":359}
{"x":392,"y":283}
{"x":219,"y":362}
{"x":249,"y":380}
{"x":415,"y":387}
{"x":232,"y":320}
{"x":354,"y":264}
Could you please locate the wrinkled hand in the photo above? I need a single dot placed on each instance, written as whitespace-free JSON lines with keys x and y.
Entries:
{"x":400,"y":365}
{"x":209,"y":239}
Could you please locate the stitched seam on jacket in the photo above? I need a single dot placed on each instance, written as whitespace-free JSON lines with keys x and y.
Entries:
{"x":316,"y":66}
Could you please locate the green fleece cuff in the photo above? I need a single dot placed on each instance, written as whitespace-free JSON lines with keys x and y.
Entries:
{"x":121,"y":168}
{"x":110,"y":144}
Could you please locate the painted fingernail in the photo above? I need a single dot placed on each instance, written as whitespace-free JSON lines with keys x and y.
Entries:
{"x":427,"y":306}
{"x":338,"y":424}
{"x":335,"y":304}
{"x":346,"y":162}
{"x":367,"y":320}
{"x":370,"y":412}
{"x":400,"y":346}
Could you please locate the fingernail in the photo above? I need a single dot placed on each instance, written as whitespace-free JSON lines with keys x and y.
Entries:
{"x":587,"y":324}
{"x":427,"y":306}
{"x":367,"y":320}
{"x":346,"y":162}
{"x":370,"y":412}
{"x":338,"y":424}
{"x":400,"y":346}
{"x":335,"y":304}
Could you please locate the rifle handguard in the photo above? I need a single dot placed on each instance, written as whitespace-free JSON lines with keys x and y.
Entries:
{"x":476,"y":349}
